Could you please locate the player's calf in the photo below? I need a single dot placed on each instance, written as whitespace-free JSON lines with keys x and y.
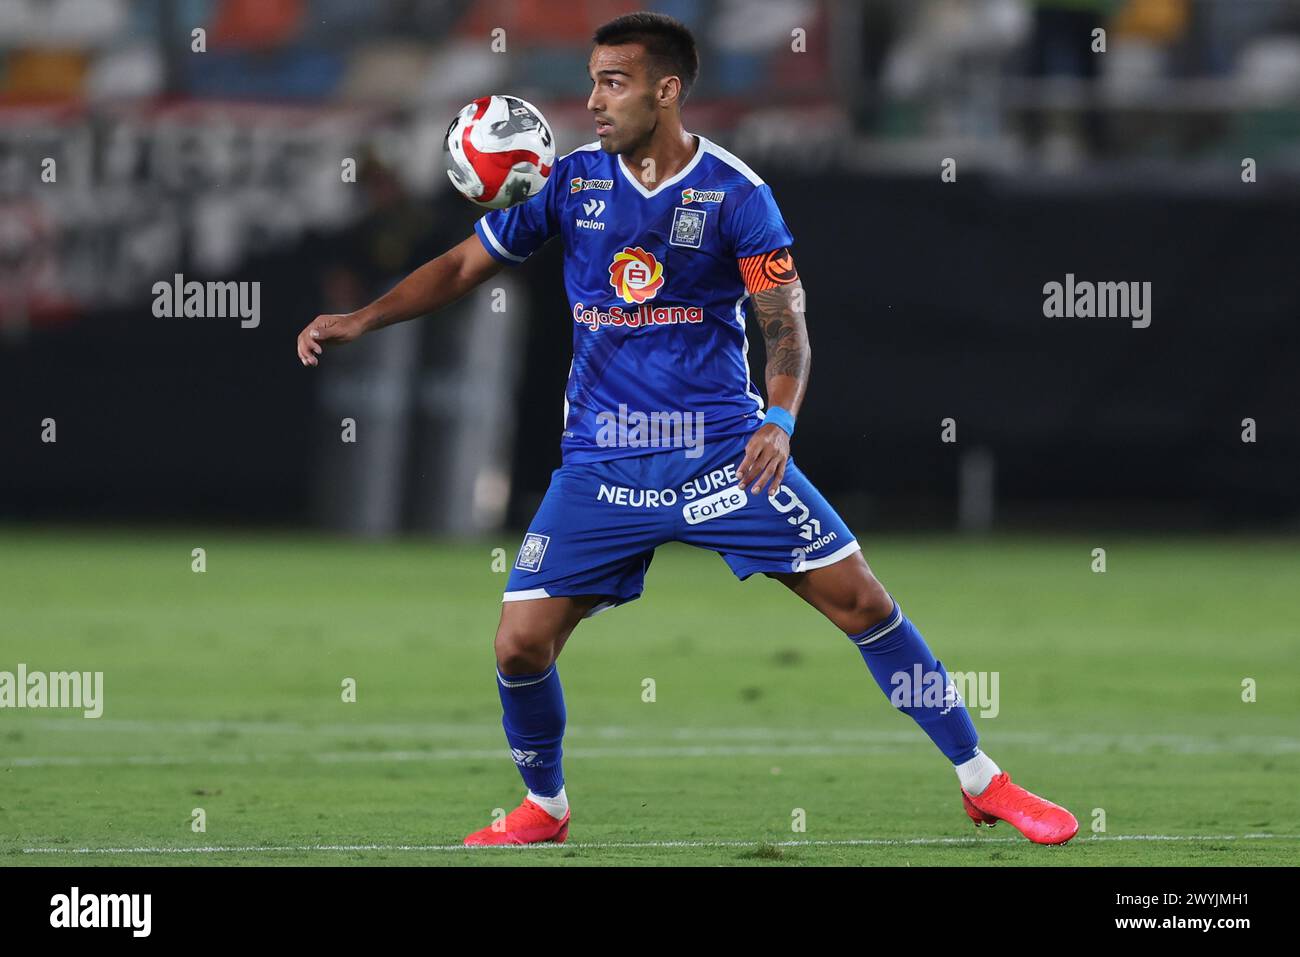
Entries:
{"x":528,"y":641}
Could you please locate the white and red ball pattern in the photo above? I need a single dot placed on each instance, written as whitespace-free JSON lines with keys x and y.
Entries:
{"x":501,"y":151}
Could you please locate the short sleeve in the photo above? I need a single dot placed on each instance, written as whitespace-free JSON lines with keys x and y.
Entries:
{"x":513,"y":234}
{"x":757,"y":226}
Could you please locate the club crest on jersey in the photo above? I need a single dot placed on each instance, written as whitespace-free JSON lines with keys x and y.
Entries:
{"x":688,"y":227}
{"x":531,"y":552}
{"x":702,"y":196}
{"x":636,"y":275}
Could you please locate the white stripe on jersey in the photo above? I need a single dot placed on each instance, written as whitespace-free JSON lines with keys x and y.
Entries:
{"x":681,"y":174}
{"x":749,"y":383}
{"x":733,"y":161}
{"x":487,"y":231}
{"x":593,"y":145}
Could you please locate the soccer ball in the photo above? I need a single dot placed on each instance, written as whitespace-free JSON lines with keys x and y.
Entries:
{"x":501,"y":151}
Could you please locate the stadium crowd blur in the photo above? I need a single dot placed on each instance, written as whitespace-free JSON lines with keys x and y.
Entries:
{"x":167,"y":151}
{"x":205,"y":136}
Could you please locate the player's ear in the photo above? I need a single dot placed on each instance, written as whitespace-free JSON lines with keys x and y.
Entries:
{"x":670,"y":89}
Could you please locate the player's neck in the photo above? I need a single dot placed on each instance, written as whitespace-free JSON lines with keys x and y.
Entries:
{"x":669,"y":151}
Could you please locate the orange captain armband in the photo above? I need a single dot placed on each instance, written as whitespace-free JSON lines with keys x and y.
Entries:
{"x":768,"y":270}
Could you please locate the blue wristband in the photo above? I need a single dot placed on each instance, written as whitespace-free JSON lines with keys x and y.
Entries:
{"x":780,"y":418}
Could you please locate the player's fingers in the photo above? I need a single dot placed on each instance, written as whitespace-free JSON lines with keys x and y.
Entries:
{"x":758,"y":452}
{"x":307,"y":351}
{"x":746,"y":464}
{"x":779,"y":477}
{"x":769,"y":464}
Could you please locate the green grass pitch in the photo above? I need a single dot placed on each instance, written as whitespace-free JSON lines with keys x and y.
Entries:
{"x":1119,"y":694}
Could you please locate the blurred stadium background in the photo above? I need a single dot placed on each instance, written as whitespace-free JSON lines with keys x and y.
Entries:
{"x":925,"y":297}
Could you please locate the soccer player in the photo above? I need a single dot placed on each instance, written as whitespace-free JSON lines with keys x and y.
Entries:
{"x":671,"y":244}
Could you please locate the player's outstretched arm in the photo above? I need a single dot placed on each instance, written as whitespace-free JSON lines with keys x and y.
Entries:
{"x":779,"y":310}
{"x":437,"y":283}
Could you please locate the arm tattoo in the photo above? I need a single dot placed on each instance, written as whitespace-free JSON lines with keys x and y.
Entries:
{"x":779,"y":311}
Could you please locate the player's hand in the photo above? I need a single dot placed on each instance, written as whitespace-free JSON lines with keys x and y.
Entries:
{"x":766,"y":453}
{"x":334,"y":329}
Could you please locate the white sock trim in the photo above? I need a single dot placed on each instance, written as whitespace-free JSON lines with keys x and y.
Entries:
{"x":556,"y":807}
{"x":976,"y":773}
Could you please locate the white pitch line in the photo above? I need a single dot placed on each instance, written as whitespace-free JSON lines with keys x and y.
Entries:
{"x":452,"y":754}
{"x":889,"y":743}
{"x":1050,"y":741}
{"x":460,"y":730}
{"x":648,"y":845}
{"x":222,"y":726}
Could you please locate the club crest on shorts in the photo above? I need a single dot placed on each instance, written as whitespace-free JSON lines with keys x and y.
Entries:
{"x":688,"y":227}
{"x":531,"y":552}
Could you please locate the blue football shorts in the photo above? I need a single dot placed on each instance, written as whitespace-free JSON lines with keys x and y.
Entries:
{"x":600,"y":523}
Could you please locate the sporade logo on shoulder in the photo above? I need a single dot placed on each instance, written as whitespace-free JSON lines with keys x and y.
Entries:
{"x":703,"y":196}
{"x":578,"y":184}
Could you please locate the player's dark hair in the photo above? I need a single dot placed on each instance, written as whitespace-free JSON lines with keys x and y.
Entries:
{"x":668,"y":43}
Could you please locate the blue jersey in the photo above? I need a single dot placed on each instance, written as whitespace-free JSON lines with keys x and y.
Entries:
{"x":657,"y":300}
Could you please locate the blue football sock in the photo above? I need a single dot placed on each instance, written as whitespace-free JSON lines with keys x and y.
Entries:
{"x":534,"y":718}
{"x":917,"y":684}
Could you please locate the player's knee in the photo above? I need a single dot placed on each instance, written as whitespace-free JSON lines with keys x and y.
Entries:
{"x":523,"y":651}
{"x":870,"y":605}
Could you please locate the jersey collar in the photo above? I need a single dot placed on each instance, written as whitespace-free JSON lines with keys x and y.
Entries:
{"x":700,"y":150}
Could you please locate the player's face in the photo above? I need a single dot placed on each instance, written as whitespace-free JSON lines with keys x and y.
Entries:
{"x":622,"y":97}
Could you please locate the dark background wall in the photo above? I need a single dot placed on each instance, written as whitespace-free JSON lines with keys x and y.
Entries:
{"x":924,"y":302}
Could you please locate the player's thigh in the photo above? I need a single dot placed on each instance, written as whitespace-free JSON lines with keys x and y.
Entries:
{"x":533,"y":632}
{"x":846,"y":592}
{"x":594,"y":533}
